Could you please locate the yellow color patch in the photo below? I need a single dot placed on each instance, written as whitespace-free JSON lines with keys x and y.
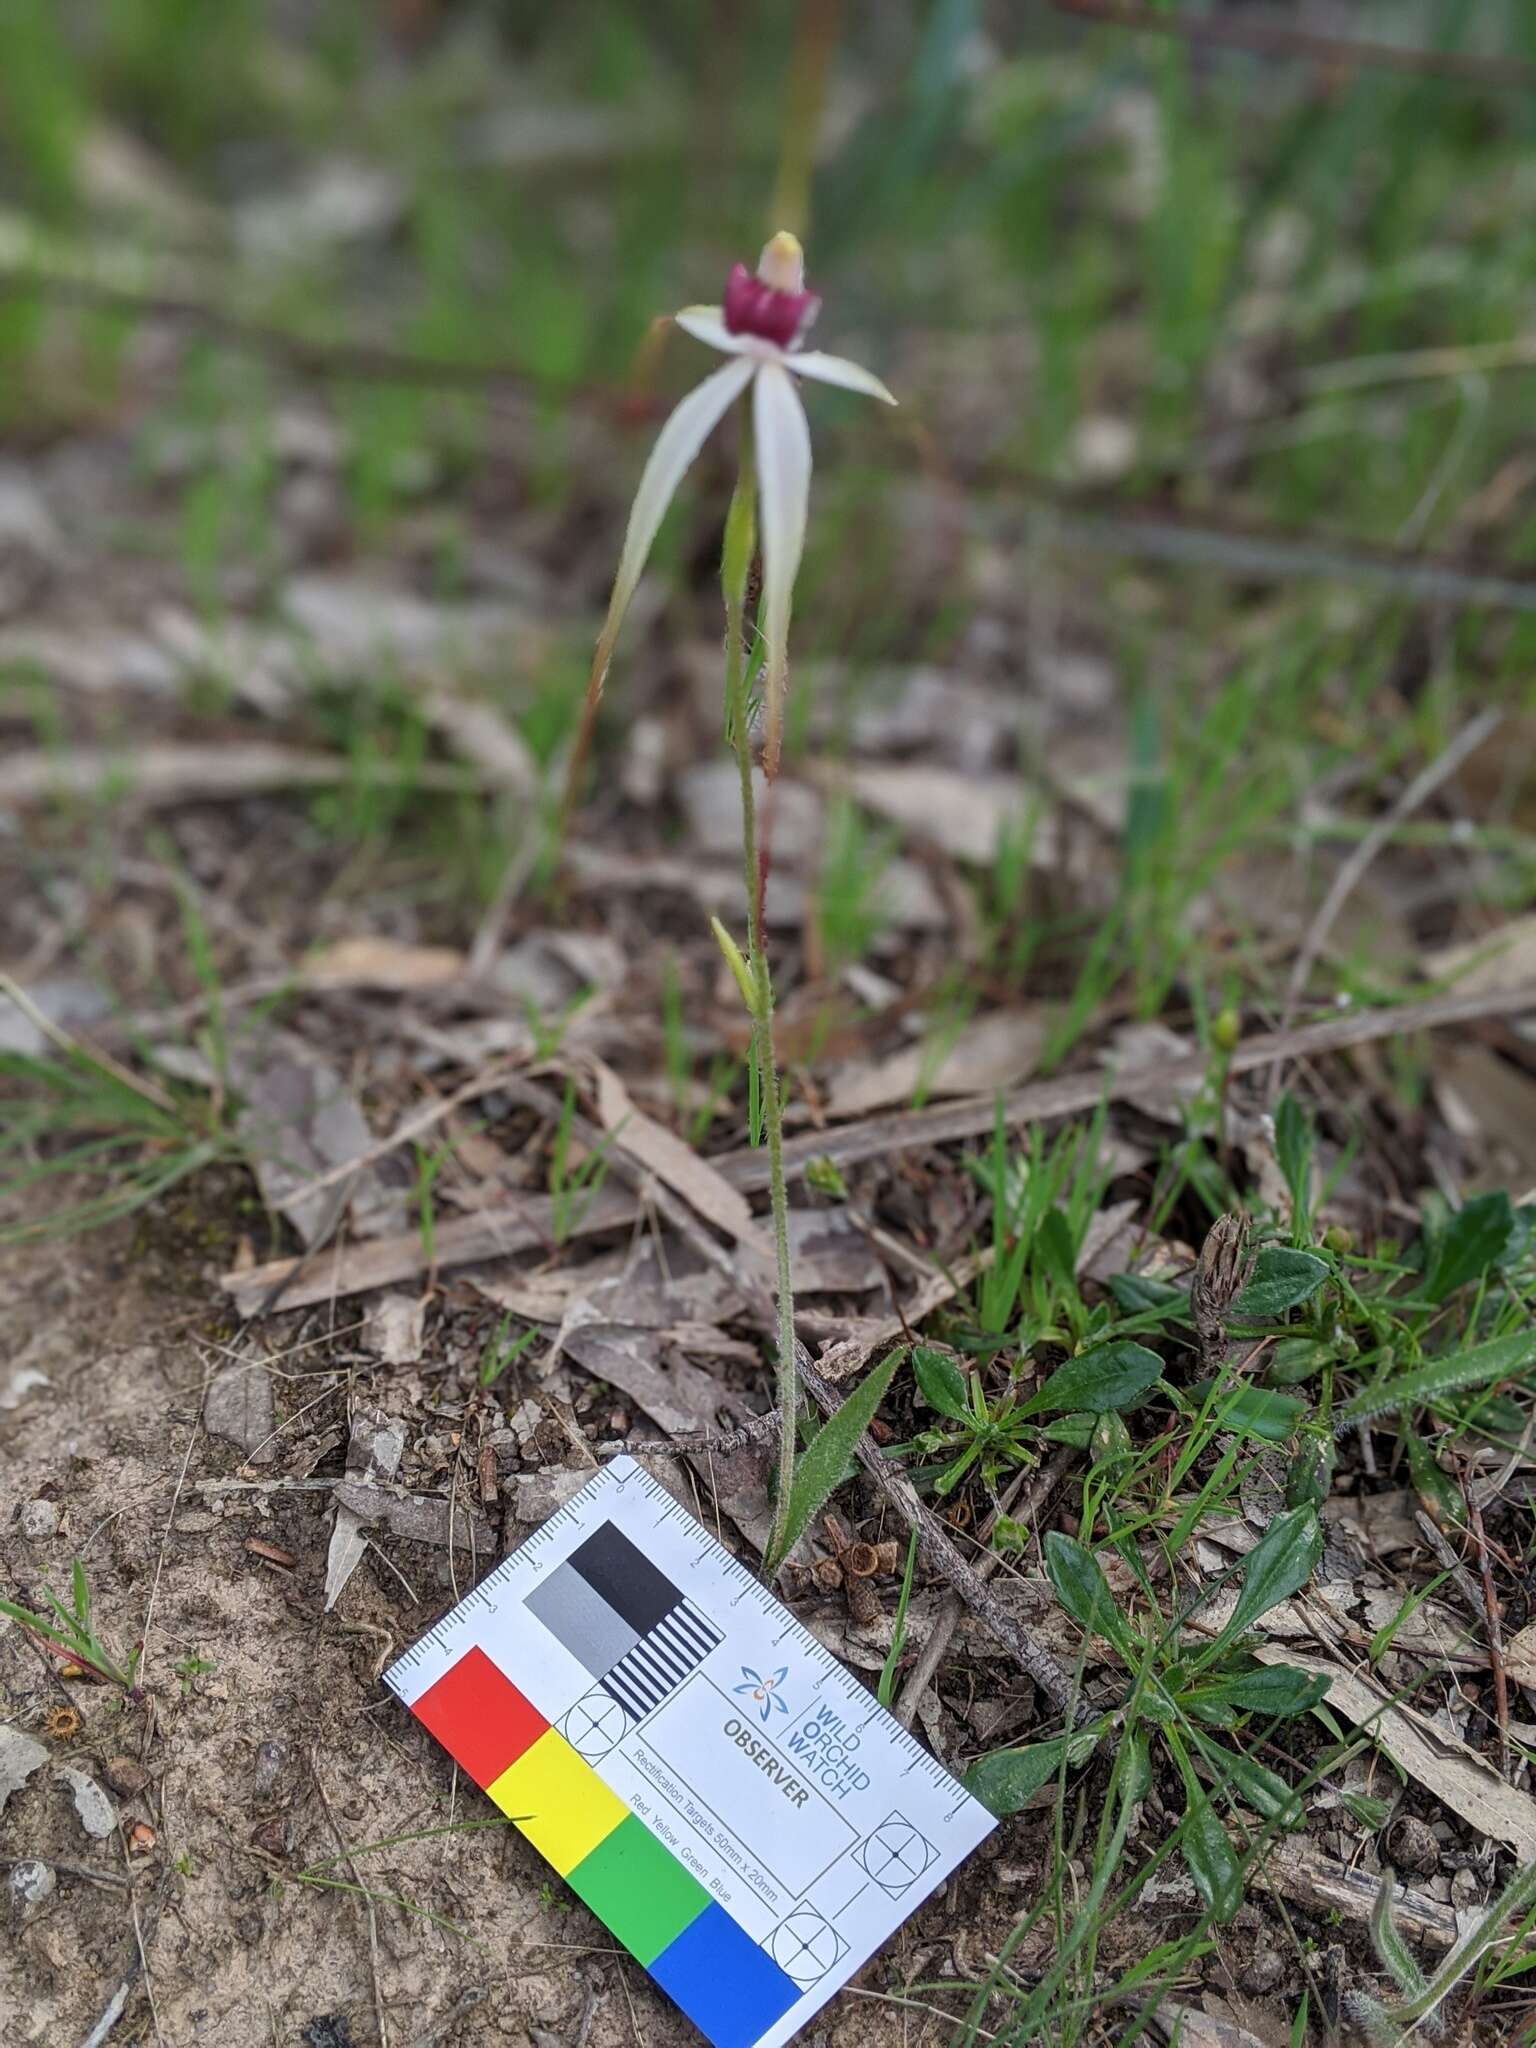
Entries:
{"x":557,"y":1801}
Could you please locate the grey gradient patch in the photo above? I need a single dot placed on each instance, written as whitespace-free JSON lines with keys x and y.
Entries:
{"x":582,"y":1621}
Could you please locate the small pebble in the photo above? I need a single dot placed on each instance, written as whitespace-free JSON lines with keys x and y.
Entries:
{"x":1414,"y":1846}
{"x":32,"y":1881}
{"x":39,"y":1520}
{"x":270,"y":1759}
{"x":124,"y":1775}
{"x":1265,"y":1973}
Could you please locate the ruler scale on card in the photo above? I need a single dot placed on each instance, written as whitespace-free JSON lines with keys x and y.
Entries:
{"x":733,"y":1805}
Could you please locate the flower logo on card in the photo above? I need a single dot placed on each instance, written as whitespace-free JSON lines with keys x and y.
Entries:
{"x":763,"y":1692}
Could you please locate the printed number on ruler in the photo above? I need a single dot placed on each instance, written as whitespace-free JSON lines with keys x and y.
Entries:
{"x":737,"y":1809}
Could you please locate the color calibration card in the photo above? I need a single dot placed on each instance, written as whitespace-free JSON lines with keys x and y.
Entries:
{"x":728,"y":1801}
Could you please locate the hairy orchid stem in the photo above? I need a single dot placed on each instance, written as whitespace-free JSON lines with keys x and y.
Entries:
{"x":738,"y":556}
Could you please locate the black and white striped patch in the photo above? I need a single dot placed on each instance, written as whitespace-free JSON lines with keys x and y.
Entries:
{"x":662,"y":1659}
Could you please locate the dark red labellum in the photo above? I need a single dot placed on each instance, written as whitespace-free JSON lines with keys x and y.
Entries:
{"x":752,"y":307}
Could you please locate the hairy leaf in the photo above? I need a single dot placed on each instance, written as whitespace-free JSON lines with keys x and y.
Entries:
{"x":1281,"y":1279}
{"x":1110,"y":1376}
{"x":1397,"y":1959}
{"x":1084,"y":1591}
{"x":1255,"y":1411}
{"x":822,"y":1463}
{"x":1007,"y":1779}
{"x":1254,"y":1783}
{"x":1212,"y":1861}
{"x":1282,"y":1561}
{"x":1276,"y":1689}
{"x":942,"y":1382}
{"x":1472,"y":1240}
{"x":1501,"y":1358}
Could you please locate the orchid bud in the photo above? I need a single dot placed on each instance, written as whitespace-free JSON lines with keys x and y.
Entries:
{"x":737,"y":965}
{"x":782,"y":263}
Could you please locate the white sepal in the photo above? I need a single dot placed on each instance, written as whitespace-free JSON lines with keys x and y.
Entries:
{"x":783,"y":449}
{"x":707,"y":324}
{"x":679,"y":441}
{"x":838,"y":370}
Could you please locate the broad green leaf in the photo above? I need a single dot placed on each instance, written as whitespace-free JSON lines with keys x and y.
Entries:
{"x":942,"y":1382}
{"x":823,"y":1461}
{"x":1084,"y":1591}
{"x":1278,"y":1690}
{"x":1110,"y":1376}
{"x":1501,"y":1358}
{"x":1282,"y":1561}
{"x":1439,"y":1495}
{"x":1136,"y":1295}
{"x":1255,"y":1411}
{"x":1472,"y":1240}
{"x":1055,"y":1250}
{"x":1281,"y":1279}
{"x":1254,"y":1783}
{"x":1293,"y":1153}
{"x":1212,"y":1861}
{"x":1007,"y":1779}
{"x":1309,"y":1478}
{"x":1295,"y":1359}
{"x":1076,"y":1430}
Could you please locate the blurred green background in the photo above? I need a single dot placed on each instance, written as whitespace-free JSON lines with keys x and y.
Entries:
{"x":1208,"y":356}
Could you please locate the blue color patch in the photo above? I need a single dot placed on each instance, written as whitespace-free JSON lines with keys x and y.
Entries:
{"x":729,"y":1987}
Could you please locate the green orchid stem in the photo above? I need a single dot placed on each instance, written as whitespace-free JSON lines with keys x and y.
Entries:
{"x":739,"y":543}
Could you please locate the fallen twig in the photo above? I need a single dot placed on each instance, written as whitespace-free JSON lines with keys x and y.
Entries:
{"x":496,"y":1233}
{"x":1491,"y":1617}
{"x":367,"y":1897}
{"x":1279,"y":38}
{"x":1029,"y":1493}
{"x":173,"y":772}
{"x":1347,"y":880}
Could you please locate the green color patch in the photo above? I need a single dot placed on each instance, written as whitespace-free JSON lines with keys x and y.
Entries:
{"x":638,"y":1889}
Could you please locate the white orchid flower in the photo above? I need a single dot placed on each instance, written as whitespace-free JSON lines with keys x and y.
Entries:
{"x":760,"y":327}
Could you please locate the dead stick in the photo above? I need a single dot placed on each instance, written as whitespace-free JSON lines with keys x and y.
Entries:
{"x":1348,"y":878}
{"x":1495,"y":1633}
{"x":1031,"y":1491}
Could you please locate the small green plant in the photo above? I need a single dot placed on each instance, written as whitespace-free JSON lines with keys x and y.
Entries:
{"x":70,"y":1633}
{"x":1106,"y":1380}
{"x":73,"y":1113}
{"x":190,"y":1669}
{"x":574,"y":1185}
{"x":501,"y":1350}
{"x":1187,"y":1697}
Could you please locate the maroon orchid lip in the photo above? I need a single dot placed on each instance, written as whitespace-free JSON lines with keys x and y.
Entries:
{"x":752,"y":307}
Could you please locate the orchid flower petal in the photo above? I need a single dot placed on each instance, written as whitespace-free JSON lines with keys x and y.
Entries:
{"x":838,"y":370}
{"x":707,"y":324}
{"x":783,"y":448}
{"x":679,"y":441}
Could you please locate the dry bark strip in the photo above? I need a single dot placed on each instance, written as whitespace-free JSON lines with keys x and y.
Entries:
{"x":1302,"y":1873}
{"x":498,"y":1232}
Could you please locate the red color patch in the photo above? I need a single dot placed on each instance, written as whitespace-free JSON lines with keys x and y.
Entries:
{"x":479,"y":1717}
